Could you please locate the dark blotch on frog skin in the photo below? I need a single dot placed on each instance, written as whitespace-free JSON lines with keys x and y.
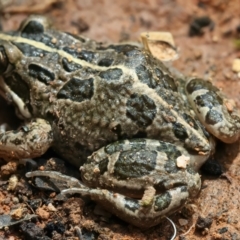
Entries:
{"x":29,"y":50}
{"x":103,"y":165}
{"x":179,"y":131}
{"x":117,"y":146}
{"x":121,"y":146}
{"x":166,"y":81}
{"x":70,"y":66}
{"x":162,"y":201}
{"x":131,"y":204}
{"x":137,"y":144}
{"x":17,"y":141}
{"x":166,"y":147}
{"x":213,"y":117}
{"x":135,"y":54}
{"x":111,"y":74}
{"x":71,"y":51}
{"x":145,"y":76}
{"x":135,"y":163}
{"x":42,"y":74}
{"x":105,"y":62}
{"x":141,"y":109}
{"x":171,"y":166}
{"x":208,"y":99}
{"x":77,"y":90}
{"x":190,"y":120}
{"x":172,"y":154}
{"x":86,"y":55}
{"x":122,"y":48}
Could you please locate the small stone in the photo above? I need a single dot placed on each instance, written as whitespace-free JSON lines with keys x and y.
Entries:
{"x":230,"y":105}
{"x":18,"y":213}
{"x":197,"y":54}
{"x":205,"y":231}
{"x":183,"y":161}
{"x":183,"y":222}
{"x":42,"y":213}
{"x":9,"y":168}
{"x":203,"y":222}
{"x":217,"y":236}
{"x":41,"y":168}
{"x":51,"y":208}
{"x":15,"y":200}
{"x":12,"y":183}
{"x":52,"y":195}
{"x":227,"y":75}
{"x":215,"y":38}
{"x":236,"y":65}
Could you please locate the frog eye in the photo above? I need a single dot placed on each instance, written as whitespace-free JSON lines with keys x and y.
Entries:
{"x":34,"y":26}
{"x":3,"y":60}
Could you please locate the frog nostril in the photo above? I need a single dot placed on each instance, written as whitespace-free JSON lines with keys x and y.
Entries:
{"x":3,"y":60}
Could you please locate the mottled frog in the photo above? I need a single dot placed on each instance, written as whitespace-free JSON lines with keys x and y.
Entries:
{"x":116,"y":112}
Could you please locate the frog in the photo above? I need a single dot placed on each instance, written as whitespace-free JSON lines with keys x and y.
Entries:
{"x":138,"y":132}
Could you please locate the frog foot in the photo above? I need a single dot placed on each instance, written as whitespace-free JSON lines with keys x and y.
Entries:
{"x":145,"y":212}
{"x":133,"y":210}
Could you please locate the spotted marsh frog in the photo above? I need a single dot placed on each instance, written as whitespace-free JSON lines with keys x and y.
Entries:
{"x":117,"y":112}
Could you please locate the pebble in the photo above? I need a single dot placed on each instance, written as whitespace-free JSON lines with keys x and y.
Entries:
{"x":236,"y":65}
{"x":18,"y":213}
{"x":51,"y":207}
{"x":183,"y":222}
{"x":15,"y":200}
{"x":42,"y":214}
{"x":12,"y":183}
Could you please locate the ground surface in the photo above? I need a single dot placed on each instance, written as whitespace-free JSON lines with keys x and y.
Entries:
{"x":209,"y":55}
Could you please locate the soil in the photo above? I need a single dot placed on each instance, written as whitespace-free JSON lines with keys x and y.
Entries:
{"x":207,"y":36}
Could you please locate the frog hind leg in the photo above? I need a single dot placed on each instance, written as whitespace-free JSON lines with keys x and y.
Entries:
{"x":214,"y":110}
{"x":30,"y":141}
{"x":138,"y":212}
{"x":132,"y":210}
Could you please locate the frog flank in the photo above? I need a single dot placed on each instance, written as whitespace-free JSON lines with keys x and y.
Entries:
{"x":114,"y":111}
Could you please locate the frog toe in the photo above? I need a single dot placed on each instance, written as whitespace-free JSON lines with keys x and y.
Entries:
{"x":215,"y":111}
